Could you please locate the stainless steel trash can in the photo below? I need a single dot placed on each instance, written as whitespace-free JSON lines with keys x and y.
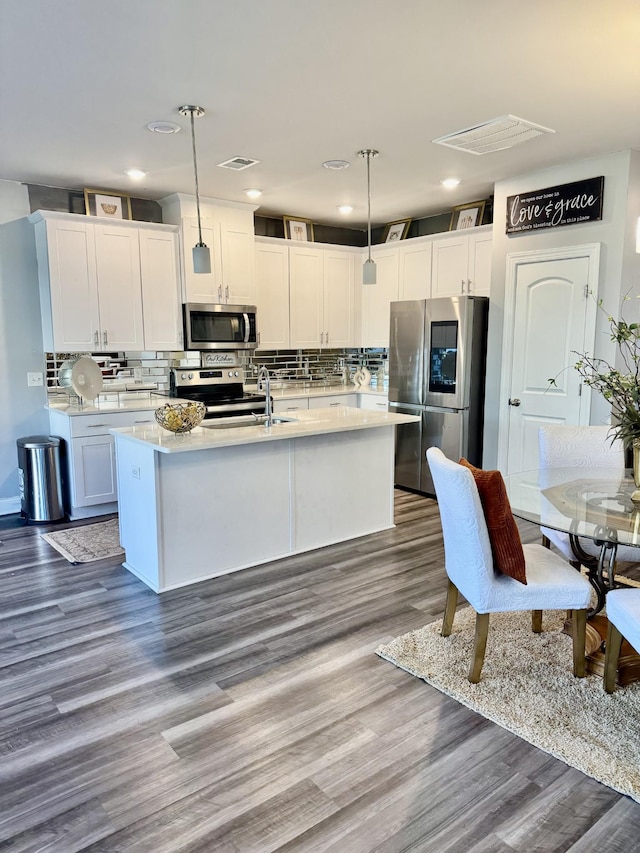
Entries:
{"x":39,"y":477}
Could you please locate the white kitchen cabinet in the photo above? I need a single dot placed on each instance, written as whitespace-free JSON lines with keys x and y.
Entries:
{"x":376,"y":298}
{"x":374,"y":402}
{"x":91,"y":277}
{"x":306,"y":293}
{"x":230,"y":238}
{"x":119,"y":288}
{"x":290,"y":405}
{"x":272,"y":295}
{"x":462,"y":264}
{"x":338,"y":302}
{"x":333,"y":400}
{"x":161,"y":298}
{"x":89,"y":457}
{"x":321,"y":297}
{"x":415,"y":269}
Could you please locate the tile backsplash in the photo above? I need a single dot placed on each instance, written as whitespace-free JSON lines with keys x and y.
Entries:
{"x":132,"y":371}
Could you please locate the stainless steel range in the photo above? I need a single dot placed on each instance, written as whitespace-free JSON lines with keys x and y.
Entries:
{"x":219,"y":388}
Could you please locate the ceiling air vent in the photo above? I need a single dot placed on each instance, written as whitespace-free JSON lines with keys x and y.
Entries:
{"x":494,"y":135}
{"x":238,"y":163}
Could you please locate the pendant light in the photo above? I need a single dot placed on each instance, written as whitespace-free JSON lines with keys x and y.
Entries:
{"x":201,"y":254}
{"x":369,"y":267}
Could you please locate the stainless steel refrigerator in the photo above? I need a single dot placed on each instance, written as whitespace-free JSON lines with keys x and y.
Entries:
{"x":437,"y":359}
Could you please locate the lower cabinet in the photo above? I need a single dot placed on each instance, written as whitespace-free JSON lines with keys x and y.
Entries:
{"x":89,"y":460}
{"x":374,"y":402}
{"x":291,"y":404}
{"x":333,"y":400}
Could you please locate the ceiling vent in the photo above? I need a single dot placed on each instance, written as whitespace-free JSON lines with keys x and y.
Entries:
{"x":494,"y":135}
{"x":238,"y":163}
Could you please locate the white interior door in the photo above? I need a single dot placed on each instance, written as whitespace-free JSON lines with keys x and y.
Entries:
{"x":552,"y":317}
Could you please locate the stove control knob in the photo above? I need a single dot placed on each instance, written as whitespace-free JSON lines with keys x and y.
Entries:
{"x":183,"y":376}
{"x":230,"y":373}
{"x":191,"y":376}
{"x":235,"y":373}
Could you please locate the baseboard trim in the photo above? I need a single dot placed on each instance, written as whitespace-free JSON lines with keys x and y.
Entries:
{"x":9,"y":506}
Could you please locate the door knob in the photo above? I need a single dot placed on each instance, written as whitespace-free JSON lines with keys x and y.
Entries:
{"x":513,"y":401}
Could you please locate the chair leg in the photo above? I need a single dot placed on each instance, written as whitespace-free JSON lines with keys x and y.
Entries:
{"x":611,"y":655}
{"x":536,"y":621}
{"x":480,"y":644}
{"x":450,"y":609}
{"x":579,"y":630}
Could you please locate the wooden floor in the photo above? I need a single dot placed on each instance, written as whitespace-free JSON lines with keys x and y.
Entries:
{"x":250,"y":713}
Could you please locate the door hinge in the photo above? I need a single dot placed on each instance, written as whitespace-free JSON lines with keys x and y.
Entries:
{"x":587,"y":292}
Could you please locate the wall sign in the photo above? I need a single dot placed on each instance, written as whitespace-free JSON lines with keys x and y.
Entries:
{"x":566,"y":204}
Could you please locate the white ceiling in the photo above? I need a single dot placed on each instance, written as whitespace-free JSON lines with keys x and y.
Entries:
{"x":293,"y":83}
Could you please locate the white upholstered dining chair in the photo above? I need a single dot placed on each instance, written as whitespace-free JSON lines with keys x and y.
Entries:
{"x":623,"y":615}
{"x":551,"y":583}
{"x":586,"y":447}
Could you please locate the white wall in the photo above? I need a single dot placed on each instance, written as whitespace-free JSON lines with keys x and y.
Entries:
{"x":619,"y":265}
{"x":22,"y":409}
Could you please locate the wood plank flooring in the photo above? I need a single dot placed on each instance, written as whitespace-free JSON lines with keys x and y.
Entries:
{"x":249,"y":713}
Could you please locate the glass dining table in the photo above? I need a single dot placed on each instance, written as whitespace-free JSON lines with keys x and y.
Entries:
{"x":587,"y":503}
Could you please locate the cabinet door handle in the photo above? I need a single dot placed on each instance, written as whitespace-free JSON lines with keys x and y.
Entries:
{"x":226,"y":293}
{"x":326,"y":336}
{"x":96,"y":339}
{"x":220,"y":293}
{"x":335,"y":404}
{"x":143,"y":422}
{"x":258,"y":337}
{"x":96,"y":426}
{"x":292,"y":408}
{"x":462,"y":286}
{"x":468,"y":285}
{"x":104,"y":339}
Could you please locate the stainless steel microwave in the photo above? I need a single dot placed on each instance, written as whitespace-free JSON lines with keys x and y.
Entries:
{"x":209,"y":325}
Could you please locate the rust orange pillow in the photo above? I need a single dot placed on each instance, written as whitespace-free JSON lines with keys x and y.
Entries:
{"x":506,"y":547}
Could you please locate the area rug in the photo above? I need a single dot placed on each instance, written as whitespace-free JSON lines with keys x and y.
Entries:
{"x":87,"y":543}
{"x":528,"y":687}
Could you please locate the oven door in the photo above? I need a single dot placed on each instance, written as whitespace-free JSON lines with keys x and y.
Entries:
{"x":209,"y":326}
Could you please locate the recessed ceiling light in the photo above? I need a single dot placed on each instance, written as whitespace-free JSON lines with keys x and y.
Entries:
{"x":336,"y":165}
{"x":136,"y":174}
{"x":345,"y":208}
{"x":253,"y":193}
{"x":163,"y":127}
{"x":450,"y":183}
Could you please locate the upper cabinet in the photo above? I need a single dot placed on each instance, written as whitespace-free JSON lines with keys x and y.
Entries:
{"x":161,"y":302}
{"x":462,"y":263}
{"x":91,"y":277}
{"x":272,"y":294}
{"x":228,"y":231}
{"x":415,"y":269}
{"x":321,"y":297}
{"x":377,"y":298}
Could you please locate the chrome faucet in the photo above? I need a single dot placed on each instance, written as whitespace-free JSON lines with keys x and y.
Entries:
{"x":263,"y":375}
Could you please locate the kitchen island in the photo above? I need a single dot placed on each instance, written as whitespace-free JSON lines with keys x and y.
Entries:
{"x":220,"y":499}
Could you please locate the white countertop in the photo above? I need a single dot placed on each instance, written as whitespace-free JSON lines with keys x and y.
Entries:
{"x":138,"y":402}
{"x":311,"y":422}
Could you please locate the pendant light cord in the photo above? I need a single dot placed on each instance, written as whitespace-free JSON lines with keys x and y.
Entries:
{"x":369,"y":202}
{"x":195,"y":170}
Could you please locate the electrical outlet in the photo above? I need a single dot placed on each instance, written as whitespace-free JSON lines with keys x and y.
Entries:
{"x":35,"y":380}
{"x":135,"y":472}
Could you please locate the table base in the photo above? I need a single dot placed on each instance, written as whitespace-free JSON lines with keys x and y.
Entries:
{"x":628,"y":662}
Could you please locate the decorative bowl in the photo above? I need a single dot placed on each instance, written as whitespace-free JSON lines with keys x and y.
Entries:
{"x":180,"y":417}
{"x":109,"y":209}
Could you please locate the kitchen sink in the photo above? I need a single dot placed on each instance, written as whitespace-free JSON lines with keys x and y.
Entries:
{"x":237,"y":423}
